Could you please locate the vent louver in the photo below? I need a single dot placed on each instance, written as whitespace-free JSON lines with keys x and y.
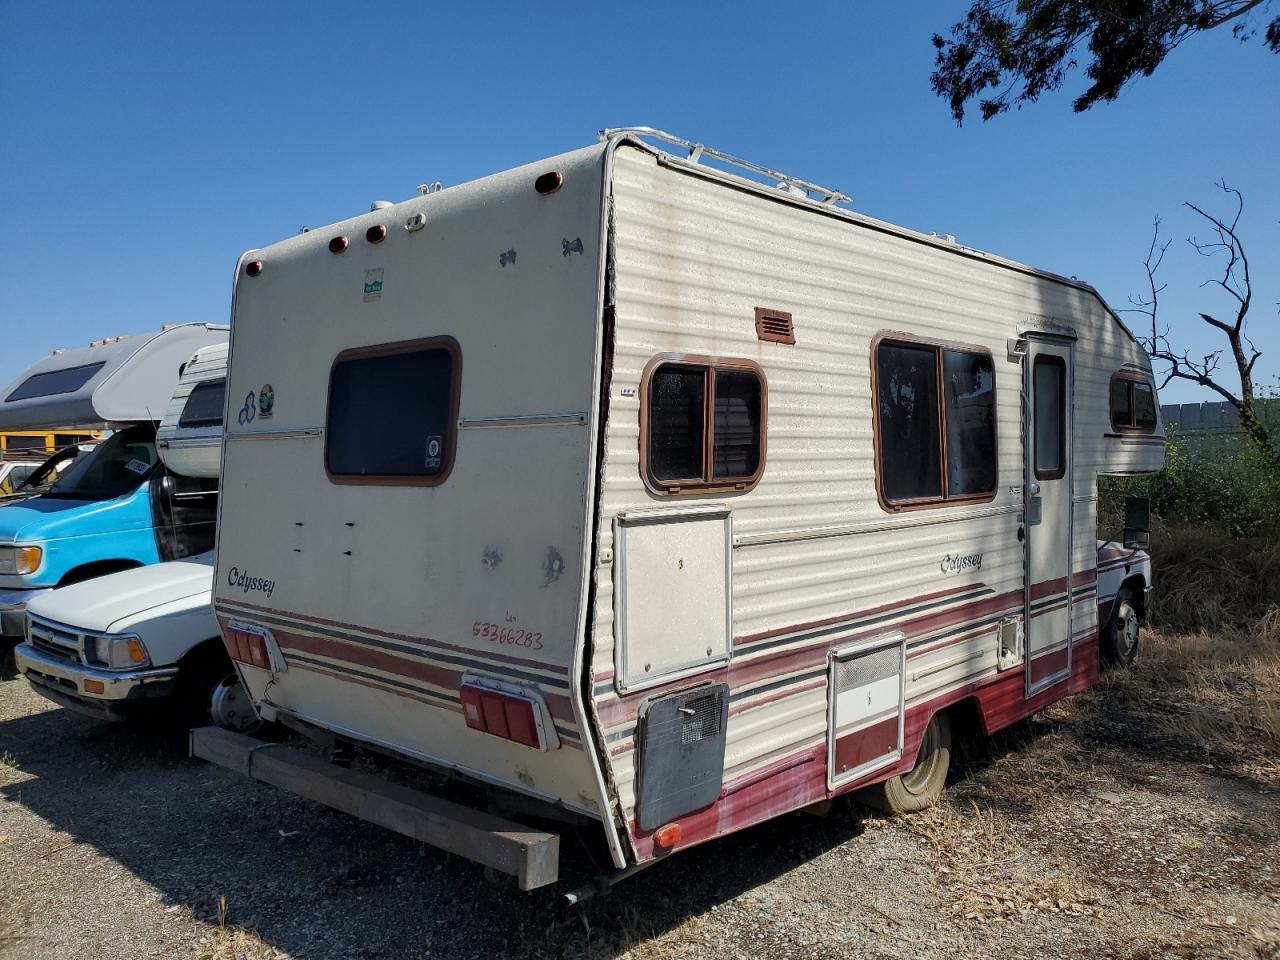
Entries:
{"x":774,"y":326}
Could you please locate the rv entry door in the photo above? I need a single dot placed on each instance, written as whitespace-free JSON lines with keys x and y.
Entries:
{"x":1047,"y":389}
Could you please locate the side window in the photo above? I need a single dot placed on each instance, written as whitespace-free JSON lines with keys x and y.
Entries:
{"x":703,"y":425}
{"x":1144,"y":406}
{"x":935,"y":423}
{"x":1133,"y":403}
{"x":204,"y":404}
{"x":393,"y":411}
{"x":1048,"y":387}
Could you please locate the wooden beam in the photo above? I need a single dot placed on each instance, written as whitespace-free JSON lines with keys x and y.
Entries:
{"x":531,"y":856}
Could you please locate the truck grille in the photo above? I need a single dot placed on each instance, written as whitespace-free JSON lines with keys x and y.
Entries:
{"x":56,"y":640}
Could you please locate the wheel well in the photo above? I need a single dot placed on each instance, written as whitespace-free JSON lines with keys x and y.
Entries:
{"x":1136,"y":585}
{"x":206,"y":650}
{"x":966,"y":720}
{"x":99,"y":568}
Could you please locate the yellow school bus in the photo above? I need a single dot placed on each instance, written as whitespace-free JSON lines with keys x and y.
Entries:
{"x":38,"y":444}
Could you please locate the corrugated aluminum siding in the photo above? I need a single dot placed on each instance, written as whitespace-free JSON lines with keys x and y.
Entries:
{"x":694,"y":257}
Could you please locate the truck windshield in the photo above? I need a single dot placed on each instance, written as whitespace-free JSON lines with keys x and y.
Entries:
{"x":112,"y":469}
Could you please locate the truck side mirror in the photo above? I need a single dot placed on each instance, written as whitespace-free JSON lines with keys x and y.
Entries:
{"x":1137,"y":523}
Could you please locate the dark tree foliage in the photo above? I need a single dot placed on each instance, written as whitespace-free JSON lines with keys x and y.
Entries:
{"x":1008,"y":52}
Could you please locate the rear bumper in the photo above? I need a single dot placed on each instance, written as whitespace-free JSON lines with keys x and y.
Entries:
{"x":63,"y":682}
{"x":531,"y":856}
{"x":13,"y":610}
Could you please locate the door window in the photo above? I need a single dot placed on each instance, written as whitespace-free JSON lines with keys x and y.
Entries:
{"x":1048,"y":387}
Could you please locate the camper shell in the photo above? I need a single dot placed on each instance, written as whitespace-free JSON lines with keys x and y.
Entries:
{"x":118,"y":380}
{"x":659,"y":495}
{"x":189,"y":437}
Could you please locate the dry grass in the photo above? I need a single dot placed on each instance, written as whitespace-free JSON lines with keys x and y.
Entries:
{"x":1207,"y":580}
{"x":1216,"y":695}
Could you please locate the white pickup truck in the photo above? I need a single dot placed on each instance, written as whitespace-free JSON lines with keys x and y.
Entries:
{"x":129,"y":643}
{"x":118,"y":646}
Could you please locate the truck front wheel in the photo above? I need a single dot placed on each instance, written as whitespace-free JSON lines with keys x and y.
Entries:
{"x":1120,"y":635}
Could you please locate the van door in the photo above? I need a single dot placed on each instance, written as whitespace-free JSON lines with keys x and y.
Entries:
{"x":1047,"y":392}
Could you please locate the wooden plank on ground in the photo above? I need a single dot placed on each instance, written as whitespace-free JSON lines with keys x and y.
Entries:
{"x":531,"y":856}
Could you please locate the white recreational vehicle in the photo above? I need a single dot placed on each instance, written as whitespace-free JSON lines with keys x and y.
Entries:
{"x":659,"y":496}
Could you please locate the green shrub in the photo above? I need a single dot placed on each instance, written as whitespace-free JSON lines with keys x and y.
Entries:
{"x":1226,"y":486}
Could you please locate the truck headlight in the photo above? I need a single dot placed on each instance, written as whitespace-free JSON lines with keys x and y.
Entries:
{"x":120,"y":652}
{"x":20,"y":560}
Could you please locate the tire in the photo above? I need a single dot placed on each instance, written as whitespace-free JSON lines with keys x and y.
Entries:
{"x":1120,"y":635}
{"x":921,"y":786}
{"x":209,"y":691}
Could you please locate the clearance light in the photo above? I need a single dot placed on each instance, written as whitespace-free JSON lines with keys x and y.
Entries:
{"x":337,"y":244}
{"x":508,"y":713}
{"x":667,"y":836}
{"x":95,"y":686}
{"x":376,"y":234}
{"x":548,"y":182}
{"x":253,"y":268}
{"x":251,"y":644}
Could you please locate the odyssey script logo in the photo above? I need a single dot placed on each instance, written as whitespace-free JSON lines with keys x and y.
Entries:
{"x":960,"y":562}
{"x":249,"y":584}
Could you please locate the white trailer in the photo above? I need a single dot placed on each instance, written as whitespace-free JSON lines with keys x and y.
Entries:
{"x":661,"y":496}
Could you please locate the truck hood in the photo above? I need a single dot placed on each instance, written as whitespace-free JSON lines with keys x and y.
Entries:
{"x":46,"y":518}
{"x":95,"y":605}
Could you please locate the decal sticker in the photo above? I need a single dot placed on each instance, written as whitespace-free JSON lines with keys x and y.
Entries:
{"x":435,"y":453}
{"x":266,"y":400}
{"x":249,"y":412}
{"x":137,"y":466}
{"x":372,"y":285}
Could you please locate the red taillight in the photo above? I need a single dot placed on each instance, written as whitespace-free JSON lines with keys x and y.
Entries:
{"x":247,"y":646}
{"x":508,"y":715}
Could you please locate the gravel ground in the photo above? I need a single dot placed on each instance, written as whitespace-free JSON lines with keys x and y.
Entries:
{"x":1074,"y":835}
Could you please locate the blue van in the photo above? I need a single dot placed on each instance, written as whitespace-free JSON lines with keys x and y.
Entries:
{"x":116,"y":506}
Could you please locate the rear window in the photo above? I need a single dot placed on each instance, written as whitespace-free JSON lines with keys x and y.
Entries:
{"x":54,"y":382}
{"x":204,"y":405}
{"x":393,"y":413}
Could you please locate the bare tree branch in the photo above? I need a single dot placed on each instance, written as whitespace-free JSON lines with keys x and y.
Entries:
{"x":1236,"y":281}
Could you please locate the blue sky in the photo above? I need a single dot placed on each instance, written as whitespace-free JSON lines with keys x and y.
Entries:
{"x":144,"y":146}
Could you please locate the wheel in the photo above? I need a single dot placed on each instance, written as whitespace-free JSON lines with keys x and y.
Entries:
{"x":1120,"y":635}
{"x":229,"y":705}
{"x":209,"y":691}
{"x":921,"y":786}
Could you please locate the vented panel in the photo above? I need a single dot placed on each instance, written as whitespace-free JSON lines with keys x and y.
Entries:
{"x":860,"y":671}
{"x":774,"y":326}
{"x":681,"y":754}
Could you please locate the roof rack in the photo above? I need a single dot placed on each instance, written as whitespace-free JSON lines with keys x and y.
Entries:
{"x":696,"y":151}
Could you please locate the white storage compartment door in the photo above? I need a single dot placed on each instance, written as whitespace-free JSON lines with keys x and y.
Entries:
{"x":674,"y":593}
{"x":866,"y":703}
